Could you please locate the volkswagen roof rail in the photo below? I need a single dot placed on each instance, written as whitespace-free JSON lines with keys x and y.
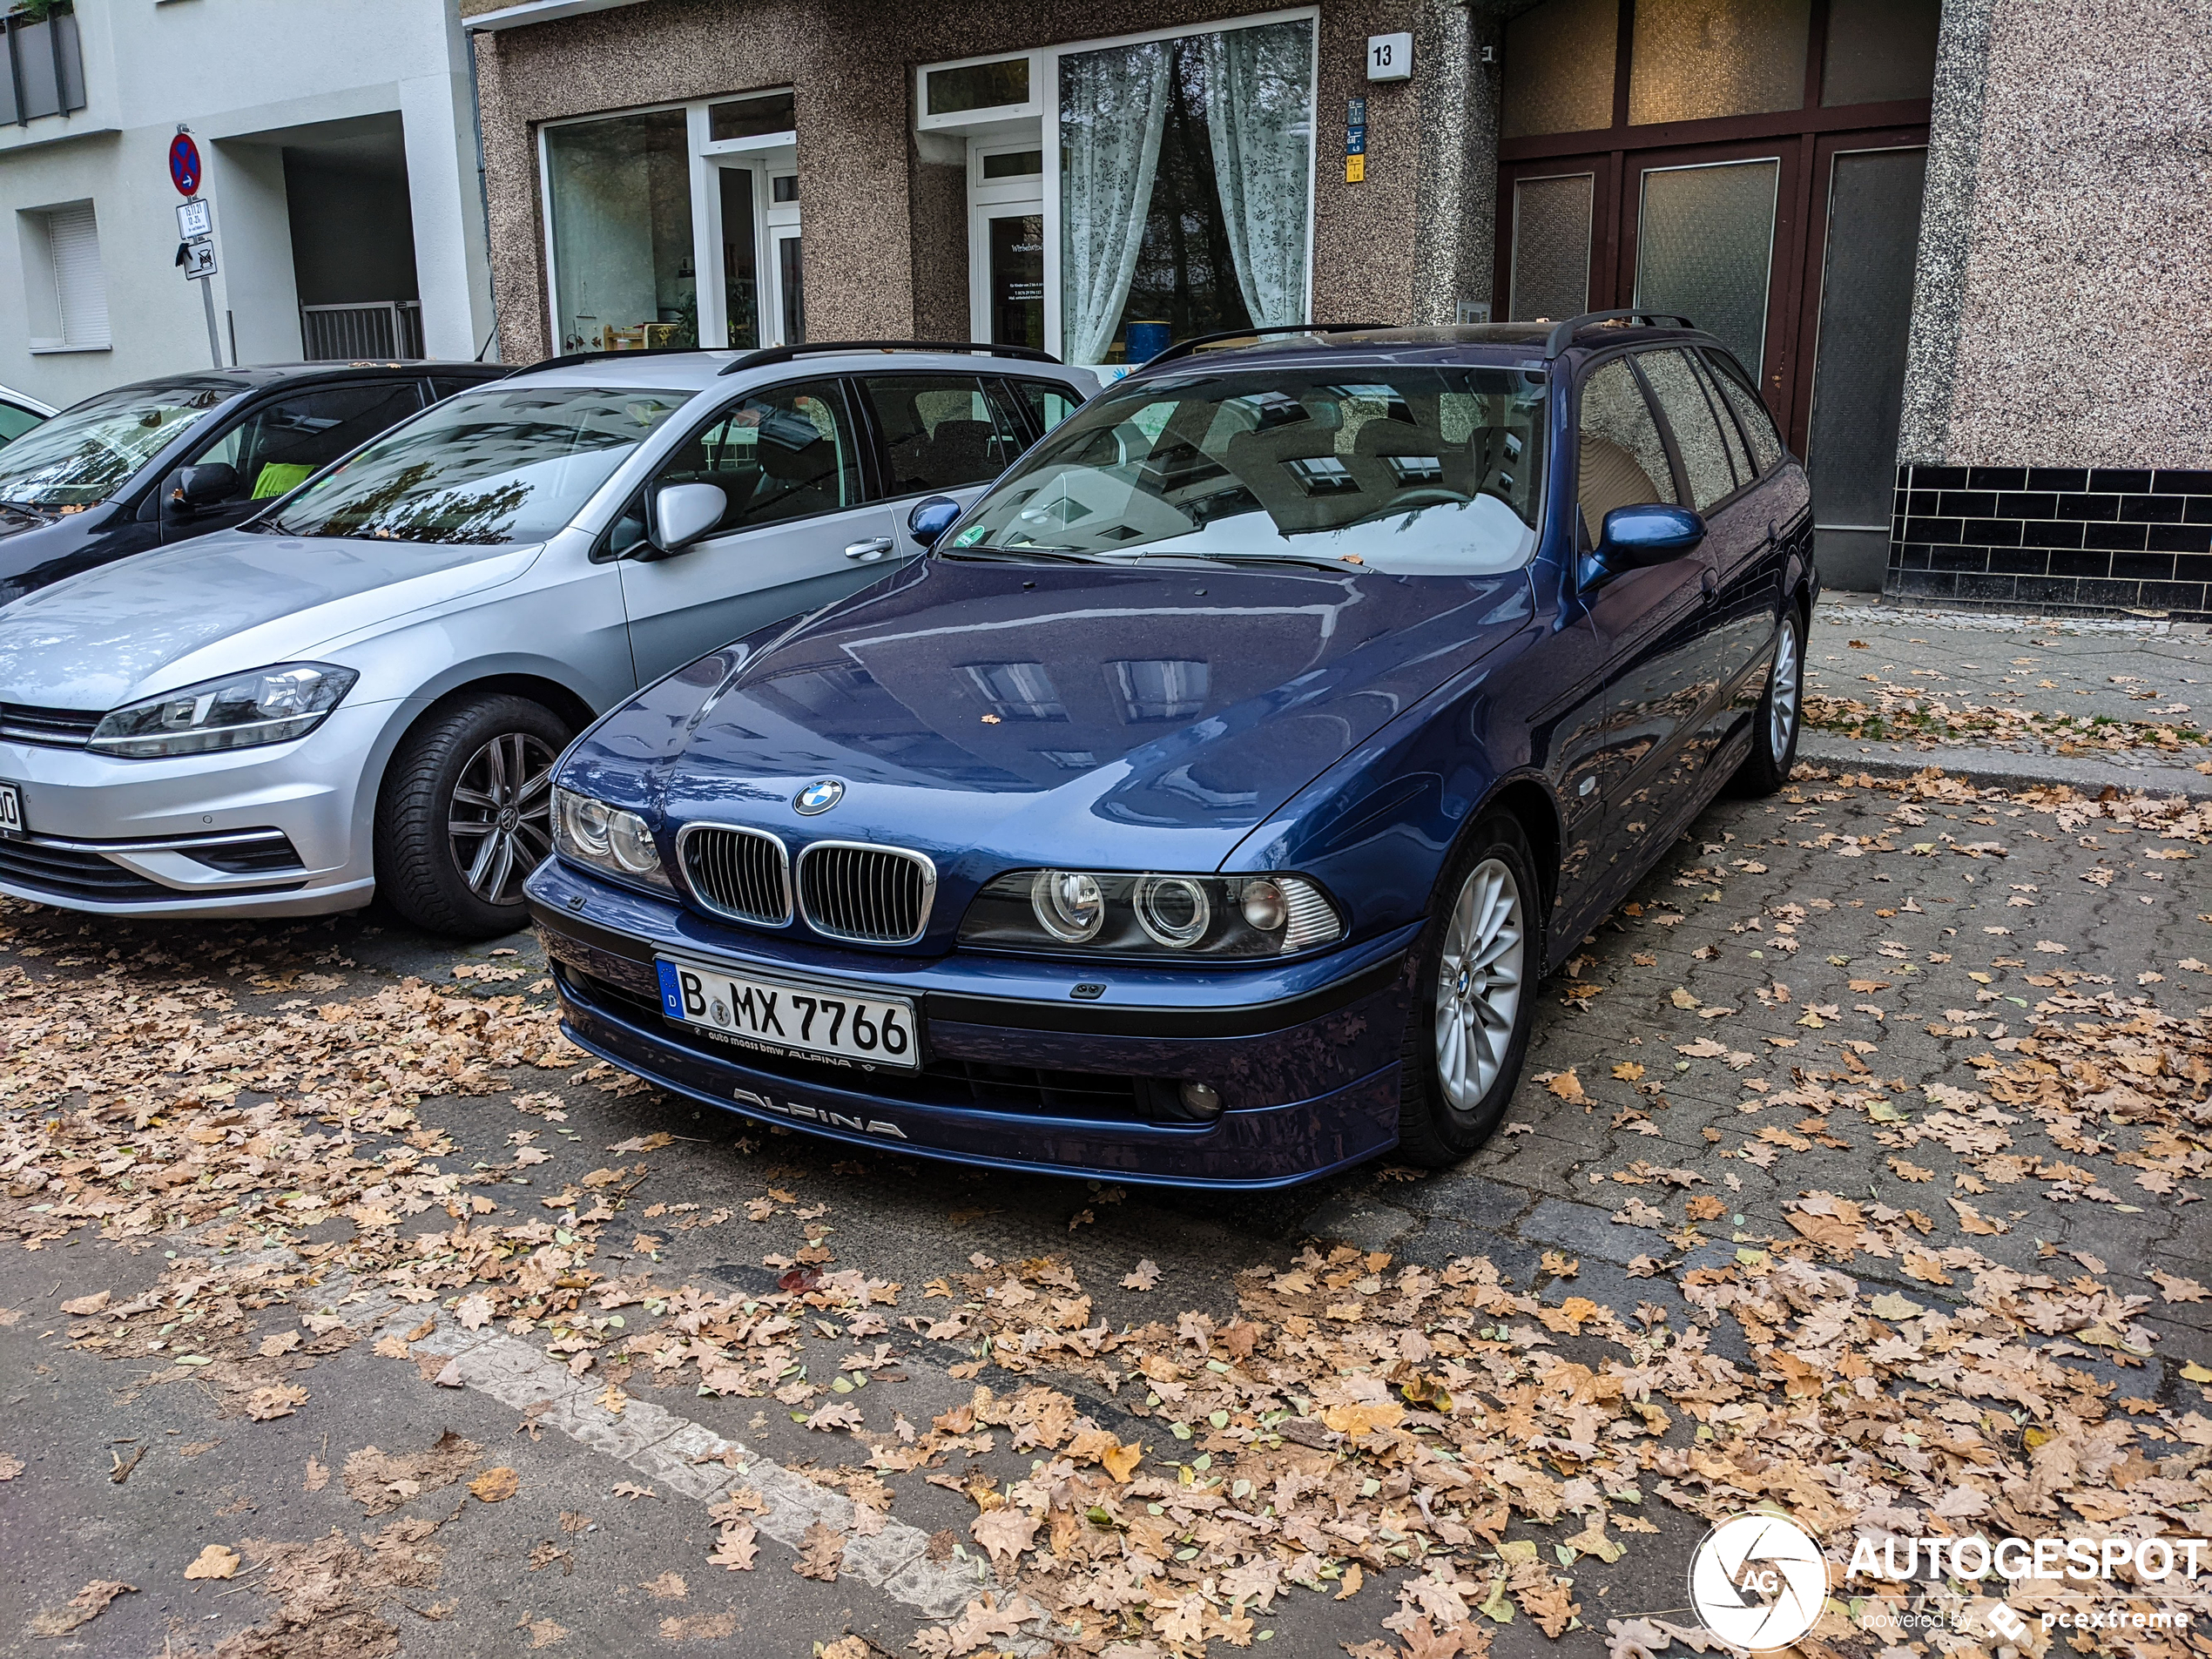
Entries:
{"x":1184,"y":347}
{"x":569,"y":359}
{"x":763,"y":358}
{"x":1562,"y":335}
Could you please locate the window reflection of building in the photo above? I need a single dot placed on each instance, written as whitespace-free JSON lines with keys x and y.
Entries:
{"x":1016,"y":690}
{"x":1167,"y":690}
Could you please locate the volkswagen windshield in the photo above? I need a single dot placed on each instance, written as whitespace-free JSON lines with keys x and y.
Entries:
{"x":510,"y":465}
{"x":1409,"y":471}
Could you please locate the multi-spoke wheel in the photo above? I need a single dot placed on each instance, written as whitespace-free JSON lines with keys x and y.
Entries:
{"x":1774,"y":729}
{"x":500,"y":821}
{"x":1478,"y":986}
{"x":1469,"y":1029}
{"x":465,"y":813}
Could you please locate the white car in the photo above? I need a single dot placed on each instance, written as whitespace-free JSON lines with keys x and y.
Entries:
{"x":364,"y":689}
{"x":18,"y":414}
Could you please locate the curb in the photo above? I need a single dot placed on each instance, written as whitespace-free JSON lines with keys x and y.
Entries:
{"x":2003,"y":769}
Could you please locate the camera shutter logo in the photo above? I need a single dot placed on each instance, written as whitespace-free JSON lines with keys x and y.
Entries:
{"x":1758,"y":1582}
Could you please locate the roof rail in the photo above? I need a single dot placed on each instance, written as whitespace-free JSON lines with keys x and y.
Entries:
{"x":1184,"y":347}
{"x":568,"y":359}
{"x":1562,"y":335}
{"x":786,"y":353}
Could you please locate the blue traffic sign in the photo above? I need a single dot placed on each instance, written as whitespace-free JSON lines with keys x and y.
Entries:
{"x":183,"y":164}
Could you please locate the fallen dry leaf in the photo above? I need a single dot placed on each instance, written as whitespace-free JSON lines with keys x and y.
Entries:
{"x":216,"y":1561}
{"x":821,"y":1552}
{"x":495,"y":1485}
{"x":87,"y":1604}
{"x":265,"y":1405}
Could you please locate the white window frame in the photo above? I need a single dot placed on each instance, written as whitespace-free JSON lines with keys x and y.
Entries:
{"x":47,"y":314}
{"x":762,"y":157}
{"x":1040,"y":65}
{"x":1003,"y":128}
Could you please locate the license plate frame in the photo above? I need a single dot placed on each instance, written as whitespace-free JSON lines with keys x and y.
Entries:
{"x":11,"y":819}
{"x":793,"y":1009}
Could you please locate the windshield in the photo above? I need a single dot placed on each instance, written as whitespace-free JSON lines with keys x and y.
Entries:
{"x":508,"y":465}
{"x":1416,"y":472}
{"x":85,"y":454}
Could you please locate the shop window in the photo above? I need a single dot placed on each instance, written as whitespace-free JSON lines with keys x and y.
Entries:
{"x":976,"y":86}
{"x":1880,"y":51}
{"x":770,"y":114}
{"x":1186,"y":170}
{"x":1694,"y":59}
{"x":623,"y":253}
{"x":1559,"y":68}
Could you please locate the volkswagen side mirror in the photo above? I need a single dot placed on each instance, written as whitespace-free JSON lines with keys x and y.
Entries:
{"x":1650,"y":533}
{"x":683,"y":513}
{"x":932,"y":518}
{"x":205,"y":485}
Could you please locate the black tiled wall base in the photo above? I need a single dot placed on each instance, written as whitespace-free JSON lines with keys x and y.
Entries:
{"x":2054,"y":538}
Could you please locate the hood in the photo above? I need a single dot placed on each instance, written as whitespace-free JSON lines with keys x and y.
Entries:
{"x":226,"y":602}
{"x":1145,"y":717}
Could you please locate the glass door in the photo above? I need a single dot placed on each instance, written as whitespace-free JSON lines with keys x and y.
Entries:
{"x":1704,"y":248}
{"x":736,"y":190}
{"x":1006,"y":243}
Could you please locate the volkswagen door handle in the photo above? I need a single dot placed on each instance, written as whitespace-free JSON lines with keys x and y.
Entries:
{"x":869,"y":551}
{"x":1710,"y":583}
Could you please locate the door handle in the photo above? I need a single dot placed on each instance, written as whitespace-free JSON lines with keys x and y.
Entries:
{"x":869,"y":551}
{"x":1710,"y":583}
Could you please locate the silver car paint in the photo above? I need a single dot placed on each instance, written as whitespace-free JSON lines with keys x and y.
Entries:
{"x":416,"y":621}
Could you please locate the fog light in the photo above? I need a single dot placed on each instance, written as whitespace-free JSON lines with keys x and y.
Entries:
{"x":1201,"y":1100}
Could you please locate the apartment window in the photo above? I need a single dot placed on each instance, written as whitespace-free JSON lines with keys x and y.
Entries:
{"x":45,"y":68}
{"x":63,"y":280}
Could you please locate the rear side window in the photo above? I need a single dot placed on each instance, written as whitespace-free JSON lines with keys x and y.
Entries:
{"x":1750,"y":411}
{"x":1696,"y":429}
{"x":281,"y":444}
{"x":1739,"y":457}
{"x":941,"y":431}
{"x":1049,"y":402}
{"x":1624,"y":462}
{"x":785,"y":452}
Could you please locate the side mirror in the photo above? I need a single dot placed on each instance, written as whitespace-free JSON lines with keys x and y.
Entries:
{"x":683,"y":513}
{"x":1650,"y":533}
{"x":932,"y":518}
{"x":205,"y":485}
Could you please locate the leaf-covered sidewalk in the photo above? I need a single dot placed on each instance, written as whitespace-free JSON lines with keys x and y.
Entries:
{"x":1854,"y":1177}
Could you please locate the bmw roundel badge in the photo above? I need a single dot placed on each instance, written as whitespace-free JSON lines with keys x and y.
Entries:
{"x":819,"y":796}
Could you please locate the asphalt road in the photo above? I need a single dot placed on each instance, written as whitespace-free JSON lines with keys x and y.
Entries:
{"x":575,"y":1564}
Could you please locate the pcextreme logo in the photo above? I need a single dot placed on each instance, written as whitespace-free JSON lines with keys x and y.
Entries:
{"x":1757,"y":1581}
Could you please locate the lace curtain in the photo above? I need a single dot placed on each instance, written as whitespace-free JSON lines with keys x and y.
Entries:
{"x":1259,"y":86}
{"x":1112,"y":106}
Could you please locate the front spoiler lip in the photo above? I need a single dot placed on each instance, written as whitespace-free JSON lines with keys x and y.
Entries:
{"x":584,"y":1026}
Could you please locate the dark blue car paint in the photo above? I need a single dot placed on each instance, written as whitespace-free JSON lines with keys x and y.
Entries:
{"x":1352,"y":727}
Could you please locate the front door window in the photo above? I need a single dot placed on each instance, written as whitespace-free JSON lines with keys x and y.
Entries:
{"x":791,"y":288}
{"x":1016,"y":279}
{"x":740,"y":259}
{"x":1704,"y":246}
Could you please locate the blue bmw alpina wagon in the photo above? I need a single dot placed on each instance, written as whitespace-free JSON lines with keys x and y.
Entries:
{"x":1209,"y":803}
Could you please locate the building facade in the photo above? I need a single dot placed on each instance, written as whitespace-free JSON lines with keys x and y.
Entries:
{"x":1929,"y":229}
{"x":337,"y":147}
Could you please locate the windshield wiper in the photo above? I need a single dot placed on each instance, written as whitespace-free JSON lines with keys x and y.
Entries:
{"x":1016,"y":554}
{"x":1334,"y":567}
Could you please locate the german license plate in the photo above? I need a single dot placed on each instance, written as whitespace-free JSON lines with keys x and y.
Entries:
{"x":11,"y":809}
{"x":830,"y":1022}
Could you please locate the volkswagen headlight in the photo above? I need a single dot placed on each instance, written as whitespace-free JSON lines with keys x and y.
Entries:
{"x":1206,"y":917}
{"x":267,"y":705}
{"x":607,"y":839}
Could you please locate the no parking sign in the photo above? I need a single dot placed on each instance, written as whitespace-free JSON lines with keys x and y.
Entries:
{"x":184,"y":165}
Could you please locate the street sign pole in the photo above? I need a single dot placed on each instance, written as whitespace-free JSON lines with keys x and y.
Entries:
{"x":207,"y":304}
{"x":196,"y":224}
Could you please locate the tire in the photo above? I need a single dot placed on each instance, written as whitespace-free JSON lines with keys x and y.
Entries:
{"x":1780,"y":716}
{"x":457,"y":768}
{"x":1456,"y":1087}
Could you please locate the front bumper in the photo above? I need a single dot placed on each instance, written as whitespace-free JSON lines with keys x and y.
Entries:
{"x":1016,"y":1075}
{"x":197,"y":835}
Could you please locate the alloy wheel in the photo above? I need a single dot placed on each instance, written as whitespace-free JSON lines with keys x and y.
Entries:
{"x":501,"y":820}
{"x":1781,"y":698}
{"x":1479,"y":983}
